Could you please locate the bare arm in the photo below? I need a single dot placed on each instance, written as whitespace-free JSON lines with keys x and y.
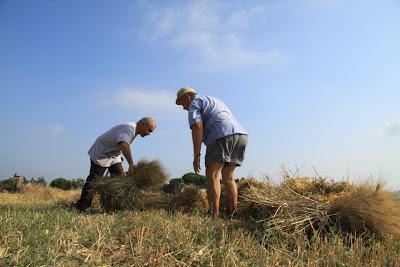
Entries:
{"x":126,"y":151}
{"x":197,"y":138}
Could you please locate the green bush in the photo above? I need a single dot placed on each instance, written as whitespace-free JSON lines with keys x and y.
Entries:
{"x":176,"y":181}
{"x":61,"y":183}
{"x":77,"y":183}
{"x":9,"y":185}
{"x":39,"y":181}
{"x":194,"y":179}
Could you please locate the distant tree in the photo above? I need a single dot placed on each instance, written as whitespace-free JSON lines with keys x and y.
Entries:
{"x":194,"y":179}
{"x":77,"y":183}
{"x":9,"y":185}
{"x":40,"y":181}
{"x":13,"y":184}
{"x":61,"y":183}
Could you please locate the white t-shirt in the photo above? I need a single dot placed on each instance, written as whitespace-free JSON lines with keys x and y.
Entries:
{"x":106,"y":151}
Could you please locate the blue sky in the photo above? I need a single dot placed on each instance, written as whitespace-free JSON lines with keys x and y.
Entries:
{"x":315,"y":82}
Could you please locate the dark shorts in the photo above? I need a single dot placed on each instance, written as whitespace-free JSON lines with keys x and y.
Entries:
{"x":229,"y":149}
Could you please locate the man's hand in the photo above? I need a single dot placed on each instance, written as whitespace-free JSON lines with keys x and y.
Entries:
{"x":131,"y":170}
{"x":126,"y":151}
{"x":196,"y":164}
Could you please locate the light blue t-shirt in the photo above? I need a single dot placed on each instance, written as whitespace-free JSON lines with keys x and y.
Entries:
{"x":218,"y":121}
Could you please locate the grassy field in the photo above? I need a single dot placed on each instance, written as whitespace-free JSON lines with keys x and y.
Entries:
{"x":39,"y":228}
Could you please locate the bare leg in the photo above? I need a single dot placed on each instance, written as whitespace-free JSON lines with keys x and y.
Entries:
{"x":214,"y":187}
{"x":228,"y":177}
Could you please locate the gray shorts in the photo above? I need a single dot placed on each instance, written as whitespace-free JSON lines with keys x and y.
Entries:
{"x":229,"y":149}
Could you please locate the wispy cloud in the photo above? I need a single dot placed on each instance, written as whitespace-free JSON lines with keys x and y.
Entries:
{"x":322,"y":4}
{"x":210,"y":32}
{"x":51,"y":131}
{"x":144,"y":101}
{"x":391,"y":129}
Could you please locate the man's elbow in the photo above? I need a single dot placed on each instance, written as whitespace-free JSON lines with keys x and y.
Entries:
{"x":197,"y":125}
{"x":123,"y":144}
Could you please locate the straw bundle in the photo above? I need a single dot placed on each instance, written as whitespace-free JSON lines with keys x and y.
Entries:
{"x":139,"y":192}
{"x":149,"y":175}
{"x":118,"y":193}
{"x":361,"y":210}
{"x":191,"y":199}
{"x":317,"y":186}
{"x":281,"y":207}
{"x":366,"y":210}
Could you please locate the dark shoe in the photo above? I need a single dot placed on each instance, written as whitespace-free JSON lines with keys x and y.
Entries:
{"x":80,"y":208}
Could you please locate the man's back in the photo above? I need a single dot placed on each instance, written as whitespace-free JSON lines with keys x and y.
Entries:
{"x":106,"y":150}
{"x":218,"y":121}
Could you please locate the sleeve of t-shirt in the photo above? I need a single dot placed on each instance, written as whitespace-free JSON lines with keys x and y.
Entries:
{"x":194,"y":113}
{"x":124,"y":136}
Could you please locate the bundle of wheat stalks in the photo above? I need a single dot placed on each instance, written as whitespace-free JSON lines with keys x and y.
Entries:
{"x":318,"y":205}
{"x":142,"y":190}
{"x":295,"y":205}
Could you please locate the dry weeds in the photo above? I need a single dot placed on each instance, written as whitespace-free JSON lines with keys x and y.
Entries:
{"x":41,"y":235}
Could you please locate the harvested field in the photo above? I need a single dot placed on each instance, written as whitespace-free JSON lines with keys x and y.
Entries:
{"x":302,"y":205}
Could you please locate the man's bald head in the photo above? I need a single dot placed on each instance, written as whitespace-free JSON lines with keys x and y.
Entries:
{"x":146,"y":126}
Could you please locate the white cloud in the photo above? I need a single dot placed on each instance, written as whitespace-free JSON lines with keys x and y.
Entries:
{"x":164,"y":18}
{"x":51,"y":131}
{"x":322,"y":4}
{"x":145,"y":101}
{"x":391,"y":129}
{"x":212,"y":36}
{"x":241,"y":19}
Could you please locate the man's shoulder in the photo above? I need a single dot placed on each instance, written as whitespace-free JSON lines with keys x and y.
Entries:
{"x":127,"y":125}
{"x":205,"y":100}
{"x":122,"y":127}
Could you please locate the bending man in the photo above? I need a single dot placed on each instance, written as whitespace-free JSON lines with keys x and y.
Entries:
{"x":105,"y":154}
{"x":213,"y":123}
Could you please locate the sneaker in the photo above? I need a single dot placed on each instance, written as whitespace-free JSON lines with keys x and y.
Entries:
{"x":80,"y":208}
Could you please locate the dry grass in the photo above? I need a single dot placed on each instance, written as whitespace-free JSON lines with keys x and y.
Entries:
{"x":143,"y":191}
{"x":118,"y":193}
{"x":281,"y":207}
{"x":149,"y":175}
{"x":129,"y":197}
{"x":32,"y":234}
{"x":191,"y":199}
{"x":301,"y":205}
{"x":319,"y":206}
{"x":319,"y":186}
{"x":39,"y":195}
{"x":128,"y":193}
{"x":366,"y":210}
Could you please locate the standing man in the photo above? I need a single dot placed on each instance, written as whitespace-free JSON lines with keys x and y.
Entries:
{"x":105,"y":154}
{"x":213,"y":123}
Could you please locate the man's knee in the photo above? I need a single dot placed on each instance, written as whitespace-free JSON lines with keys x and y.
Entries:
{"x":213,"y":170}
{"x":228,"y":171}
{"x":227,"y":179}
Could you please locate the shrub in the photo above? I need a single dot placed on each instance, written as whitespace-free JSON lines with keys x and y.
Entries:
{"x":173,"y":188}
{"x":61,"y":183}
{"x":77,"y":183}
{"x":194,"y":179}
{"x":9,"y":185}
{"x":176,"y":181}
{"x":39,"y":181}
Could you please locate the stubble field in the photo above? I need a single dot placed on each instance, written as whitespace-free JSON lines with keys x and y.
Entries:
{"x":39,"y":227}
